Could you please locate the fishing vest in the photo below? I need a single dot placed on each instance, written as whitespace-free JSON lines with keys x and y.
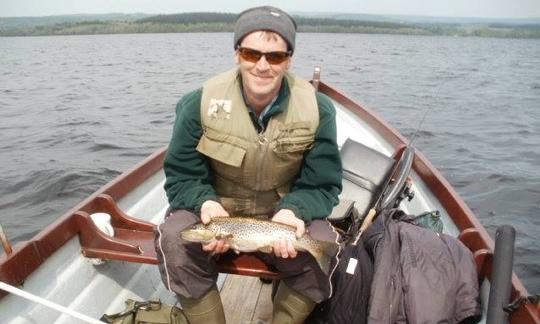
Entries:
{"x":253,"y":171}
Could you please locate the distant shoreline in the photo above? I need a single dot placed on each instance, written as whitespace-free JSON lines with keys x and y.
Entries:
{"x":218,"y":22}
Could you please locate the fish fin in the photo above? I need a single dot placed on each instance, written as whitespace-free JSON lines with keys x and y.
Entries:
{"x":324,"y":257}
{"x":266,"y":249}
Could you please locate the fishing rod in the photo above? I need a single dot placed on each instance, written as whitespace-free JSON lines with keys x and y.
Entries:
{"x":47,"y":303}
{"x":386,"y":197}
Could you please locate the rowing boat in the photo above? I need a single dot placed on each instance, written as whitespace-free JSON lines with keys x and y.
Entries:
{"x":76,"y":263}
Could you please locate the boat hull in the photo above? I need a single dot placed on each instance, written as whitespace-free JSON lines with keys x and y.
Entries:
{"x":52,"y":266}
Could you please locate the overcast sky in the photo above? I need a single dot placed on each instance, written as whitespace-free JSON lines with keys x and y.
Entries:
{"x":449,"y":8}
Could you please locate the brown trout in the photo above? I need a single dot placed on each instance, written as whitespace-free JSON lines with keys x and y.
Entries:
{"x":246,"y":234}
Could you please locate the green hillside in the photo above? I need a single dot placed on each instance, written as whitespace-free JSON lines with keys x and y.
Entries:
{"x":224,"y":22}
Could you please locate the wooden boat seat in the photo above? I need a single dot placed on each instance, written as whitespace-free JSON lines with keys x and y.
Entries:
{"x":134,"y":242}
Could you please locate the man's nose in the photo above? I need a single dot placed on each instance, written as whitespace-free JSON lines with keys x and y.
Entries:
{"x":262,"y":64}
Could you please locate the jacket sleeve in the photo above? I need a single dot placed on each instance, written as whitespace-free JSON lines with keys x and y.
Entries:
{"x":188,"y":177}
{"x":315,"y":191}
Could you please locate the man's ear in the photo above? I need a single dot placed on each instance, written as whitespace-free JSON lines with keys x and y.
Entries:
{"x":289,"y":63}
{"x":236,"y":57}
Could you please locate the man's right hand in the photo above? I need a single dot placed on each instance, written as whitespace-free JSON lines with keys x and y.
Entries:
{"x":209,"y":210}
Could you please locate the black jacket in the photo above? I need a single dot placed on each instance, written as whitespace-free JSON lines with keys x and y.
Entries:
{"x":420,"y":276}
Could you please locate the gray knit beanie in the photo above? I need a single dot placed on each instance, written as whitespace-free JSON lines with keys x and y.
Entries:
{"x":265,"y":18}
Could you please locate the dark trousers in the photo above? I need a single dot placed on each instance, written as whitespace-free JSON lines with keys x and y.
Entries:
{"x":191,"y":272}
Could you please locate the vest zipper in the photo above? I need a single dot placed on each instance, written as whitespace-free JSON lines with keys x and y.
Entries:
{"x":263,"y":143}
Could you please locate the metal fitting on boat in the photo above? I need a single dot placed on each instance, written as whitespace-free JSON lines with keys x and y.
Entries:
{"x":5,"y":242}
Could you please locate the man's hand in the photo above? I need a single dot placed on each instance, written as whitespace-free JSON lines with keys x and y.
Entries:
{"x":284,"y":248}
{"x":209,"y":210}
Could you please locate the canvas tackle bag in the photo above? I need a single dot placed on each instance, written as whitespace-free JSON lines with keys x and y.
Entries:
{"x":149,"y":312}
{"x":430,"y":220}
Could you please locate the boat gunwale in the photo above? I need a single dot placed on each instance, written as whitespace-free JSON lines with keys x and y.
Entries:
{"x":27,"y":256}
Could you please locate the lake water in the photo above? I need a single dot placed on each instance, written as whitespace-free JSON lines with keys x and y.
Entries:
{"x":76,"y":111}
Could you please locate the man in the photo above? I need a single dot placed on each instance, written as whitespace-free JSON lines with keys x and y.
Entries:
{"x":255,"y":141}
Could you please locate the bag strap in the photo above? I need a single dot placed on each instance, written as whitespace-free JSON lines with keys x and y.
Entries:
{"x":132,"y":308}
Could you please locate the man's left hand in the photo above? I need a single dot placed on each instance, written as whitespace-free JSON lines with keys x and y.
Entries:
{"x":284,"y":248}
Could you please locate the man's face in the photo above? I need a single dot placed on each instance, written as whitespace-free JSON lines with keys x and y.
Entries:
{"x":262,"y":80}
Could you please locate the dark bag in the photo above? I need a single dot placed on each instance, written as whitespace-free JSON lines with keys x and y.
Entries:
{"x":149,"y":312}
{"x":351,"y":282}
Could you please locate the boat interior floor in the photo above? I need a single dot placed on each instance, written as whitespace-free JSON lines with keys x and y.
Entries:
{"x":246,"y":300}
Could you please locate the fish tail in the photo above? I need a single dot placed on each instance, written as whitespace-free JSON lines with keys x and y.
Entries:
{"x":324,"y":255}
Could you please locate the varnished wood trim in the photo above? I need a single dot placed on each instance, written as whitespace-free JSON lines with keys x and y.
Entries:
{"x":28,"y":256}
{"x":381,"y":126}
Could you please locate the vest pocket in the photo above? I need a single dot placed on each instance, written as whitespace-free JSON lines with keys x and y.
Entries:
{"x":291,"y":145}
{"x":288,"y":157}
{"x":223,"y":152}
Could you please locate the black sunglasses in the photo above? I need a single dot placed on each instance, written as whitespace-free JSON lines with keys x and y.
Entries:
{"x":254,"y":56}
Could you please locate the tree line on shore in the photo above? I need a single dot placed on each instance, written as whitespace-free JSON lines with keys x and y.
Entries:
{"x":224,"y":22}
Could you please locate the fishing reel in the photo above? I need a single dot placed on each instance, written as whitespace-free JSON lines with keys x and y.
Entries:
{"x":406,"y":193}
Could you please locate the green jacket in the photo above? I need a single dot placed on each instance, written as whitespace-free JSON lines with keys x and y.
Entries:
{"x":189,"y":177}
